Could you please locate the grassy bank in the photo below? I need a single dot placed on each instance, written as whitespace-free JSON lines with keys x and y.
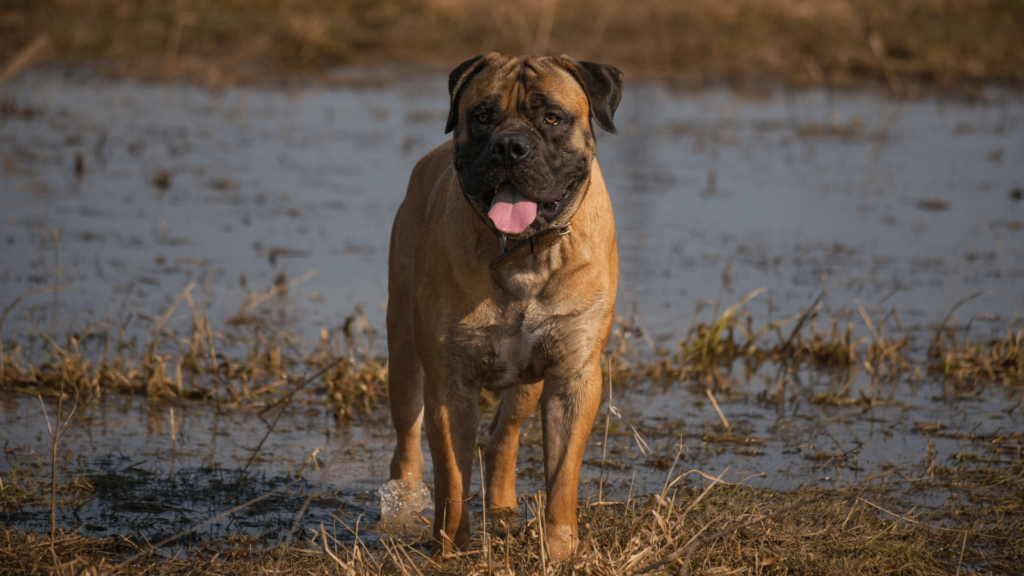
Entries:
{"x":904,"y":44}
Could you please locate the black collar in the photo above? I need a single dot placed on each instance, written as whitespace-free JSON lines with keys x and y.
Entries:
{"x":528,"y":246}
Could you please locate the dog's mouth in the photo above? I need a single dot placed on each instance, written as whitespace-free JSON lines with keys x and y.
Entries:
{"x":512,"y":212}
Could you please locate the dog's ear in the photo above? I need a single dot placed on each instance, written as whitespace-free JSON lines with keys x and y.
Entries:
{"x":456,"y":80}
{"x":603,"y":86}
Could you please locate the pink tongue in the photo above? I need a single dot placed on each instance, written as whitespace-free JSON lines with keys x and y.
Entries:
{"x":510,"y":211}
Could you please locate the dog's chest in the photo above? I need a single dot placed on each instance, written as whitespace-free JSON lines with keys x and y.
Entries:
{"x":507,"y":346}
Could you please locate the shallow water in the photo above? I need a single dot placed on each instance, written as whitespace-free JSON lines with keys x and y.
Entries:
{"x":228,"y":189}
{"x":125,"y":192}
{"x":148,"y":483}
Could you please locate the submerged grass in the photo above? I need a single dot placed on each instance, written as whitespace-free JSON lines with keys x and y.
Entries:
{"x":250,"y":363}
{"x":966,"y":364}
{"x":711,"y":352}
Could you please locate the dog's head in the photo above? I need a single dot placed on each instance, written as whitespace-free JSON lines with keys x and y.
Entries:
{"x":523,"y":136}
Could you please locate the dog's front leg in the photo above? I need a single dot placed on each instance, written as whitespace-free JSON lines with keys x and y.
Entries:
{"x":452,"y":415}
{"x":517,"y":404}
{"x":568,"y":408}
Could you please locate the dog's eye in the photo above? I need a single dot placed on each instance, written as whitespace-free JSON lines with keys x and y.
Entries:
{"x":552,"y":119}
{"x":483,"y":118}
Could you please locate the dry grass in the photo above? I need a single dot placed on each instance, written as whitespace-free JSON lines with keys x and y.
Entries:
{"x":269,"y":365}
{"x":862,"y":528}
{"x":246,"y":363}
{"x":967,"y":365}
{"x":711,"y":352}
{"x":901,"y":44}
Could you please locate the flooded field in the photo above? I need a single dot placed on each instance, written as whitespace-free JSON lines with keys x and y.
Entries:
{"x":125,"y":192}
{"x":270,"y":209}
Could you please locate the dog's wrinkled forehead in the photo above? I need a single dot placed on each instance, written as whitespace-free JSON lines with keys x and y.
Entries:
{"x":509,"y":82}
{"x":514,"y":80}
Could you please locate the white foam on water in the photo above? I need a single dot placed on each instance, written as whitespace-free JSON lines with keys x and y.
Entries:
{"x":401,"y":504}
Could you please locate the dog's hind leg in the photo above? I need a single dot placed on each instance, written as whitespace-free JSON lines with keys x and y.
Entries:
{"x":503,"y":445}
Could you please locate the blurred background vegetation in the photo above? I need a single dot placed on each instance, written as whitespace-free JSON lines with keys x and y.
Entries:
{"x":905,"y":44}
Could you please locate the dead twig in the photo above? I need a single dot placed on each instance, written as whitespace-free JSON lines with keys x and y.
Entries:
{"x":25,"y":57}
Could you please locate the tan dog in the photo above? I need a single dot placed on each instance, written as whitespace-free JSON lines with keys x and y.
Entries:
{"x":502,"y":274}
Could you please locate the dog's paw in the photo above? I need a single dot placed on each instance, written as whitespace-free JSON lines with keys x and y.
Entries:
{"x":401,"y":504}
{"x":560,"y":542}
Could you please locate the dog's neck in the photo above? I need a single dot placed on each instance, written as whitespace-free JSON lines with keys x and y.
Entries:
{"x":528,"y":246}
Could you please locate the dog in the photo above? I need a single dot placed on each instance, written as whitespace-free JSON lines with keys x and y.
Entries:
{"x":502,"y":275}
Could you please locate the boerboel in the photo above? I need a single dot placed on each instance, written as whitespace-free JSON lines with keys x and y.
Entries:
{"x":502,"y":275}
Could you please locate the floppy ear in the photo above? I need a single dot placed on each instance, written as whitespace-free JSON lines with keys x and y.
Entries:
{"x":603,"y":86}
{"x":456,"y":80}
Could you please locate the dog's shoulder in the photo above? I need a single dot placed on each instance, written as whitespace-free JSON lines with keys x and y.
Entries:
{"x":435,"y":167}
{"x":431,"y":172}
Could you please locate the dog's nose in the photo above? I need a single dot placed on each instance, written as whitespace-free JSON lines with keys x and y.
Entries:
{"x":510,"y":148}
